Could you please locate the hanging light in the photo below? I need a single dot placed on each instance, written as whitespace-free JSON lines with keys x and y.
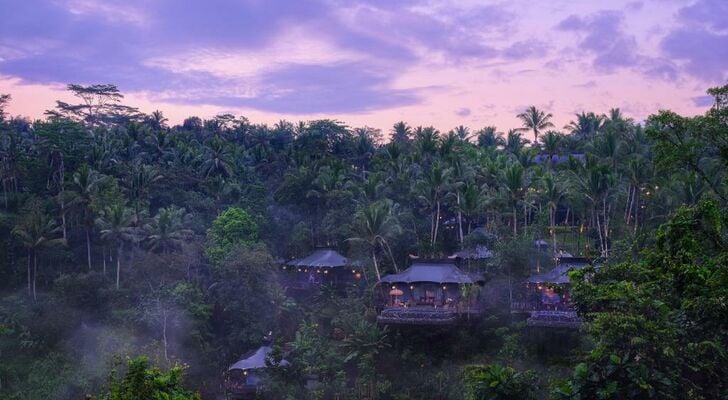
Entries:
{"x":412,"y":287}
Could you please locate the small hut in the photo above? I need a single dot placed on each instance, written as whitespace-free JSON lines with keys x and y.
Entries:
{"x":478,"y":252}
{"x":323,"y":266}
{"x":550,"y":297}
{"x":478,"y":255}
{"x":428,"y":293}
{"x":243,"y":380}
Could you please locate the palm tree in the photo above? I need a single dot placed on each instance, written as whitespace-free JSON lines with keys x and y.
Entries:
{"x":515,"y":142}
{"x":374,"y":225}
{"x":156,"y":120}
{"x":535,"y":120}
{"x":138,"y":183}
{"x":426,"y":139}
{"x":166,"y":230}
{"x":489,"y":138}
{"x":470,"y":204}
{"x":594,"y":183}
{"x":431,"y":189}
{"x":550,"y":142}
{"x":218,"y":159}
{"x":36,"y":232}
{"x":117,"y":226}
{"x":462,"y":132}
{"x":514,"y":182}
{"x":552,"y":194}
{"x":586,"y":124}
{"x":401,"y":132}
{"x":83,"y":190}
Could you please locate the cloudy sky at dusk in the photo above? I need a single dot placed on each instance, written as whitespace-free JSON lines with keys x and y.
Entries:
{"x":440,"y":63}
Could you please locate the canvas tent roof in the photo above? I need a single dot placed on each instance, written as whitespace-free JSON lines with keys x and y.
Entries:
{"x":478,"y":253}
{"x":322,"y":258}
{"x":432,"y":272}
{"x":255,"y":359}
{"x":559,"y":275}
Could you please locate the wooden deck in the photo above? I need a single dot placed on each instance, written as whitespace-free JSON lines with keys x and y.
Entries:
{"x":423,"y":315}
{"x":554,"y":319}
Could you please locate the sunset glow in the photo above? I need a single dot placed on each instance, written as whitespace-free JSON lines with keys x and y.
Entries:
{"x":441,"y":63}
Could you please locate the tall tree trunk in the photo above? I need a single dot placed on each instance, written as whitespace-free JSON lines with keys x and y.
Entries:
{"x":35,"y":274}
{"x":460,"y":219}
{"x":164,"y":333}
{"x":606,"y":210}
{"x":595,"y":216}
{"x":30,"y":260}
{"x":376,"y":266}
{"x":627,"y":205}
{"x":103,"y":254}
{"x":525,"y":219}
{"x":118,"y":266}
{"x":88,"y":247}
{"x":515,"y":222}
{"x":63,"y":220}
{"x":630,"y":217}
{"x":391,"y":256}
{"x":437,"y":225}
{"x":636,"y":210}
{"x":552,"y":221}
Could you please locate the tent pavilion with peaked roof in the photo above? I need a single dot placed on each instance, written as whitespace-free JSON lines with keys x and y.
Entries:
{"x":479,"y":252}
{"x":243,"y":377}
{"x":321,"y":258}
{"x":560,"y":274}
{"x":432,"y":272}
{"x":428,"y":293}
{"x":322,"y":266}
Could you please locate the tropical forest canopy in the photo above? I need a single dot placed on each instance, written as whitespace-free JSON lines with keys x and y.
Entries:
{"x":139,"y":259}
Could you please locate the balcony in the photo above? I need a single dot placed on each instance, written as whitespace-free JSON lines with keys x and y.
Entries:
{"x":424,"y":315}
{"x":554,"y":319}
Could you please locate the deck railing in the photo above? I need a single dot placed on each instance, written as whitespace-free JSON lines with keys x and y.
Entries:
{"x":424,"y":315}
{"x":554,"y":319}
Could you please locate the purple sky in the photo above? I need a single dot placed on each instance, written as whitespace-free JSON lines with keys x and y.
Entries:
{"x":372,"y":63}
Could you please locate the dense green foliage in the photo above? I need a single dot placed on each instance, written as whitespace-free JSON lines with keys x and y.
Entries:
{"x":122,"y":236}
{"x":144,"y":382}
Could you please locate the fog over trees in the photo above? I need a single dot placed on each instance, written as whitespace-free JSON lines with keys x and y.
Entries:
{"x":140,"y":259}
